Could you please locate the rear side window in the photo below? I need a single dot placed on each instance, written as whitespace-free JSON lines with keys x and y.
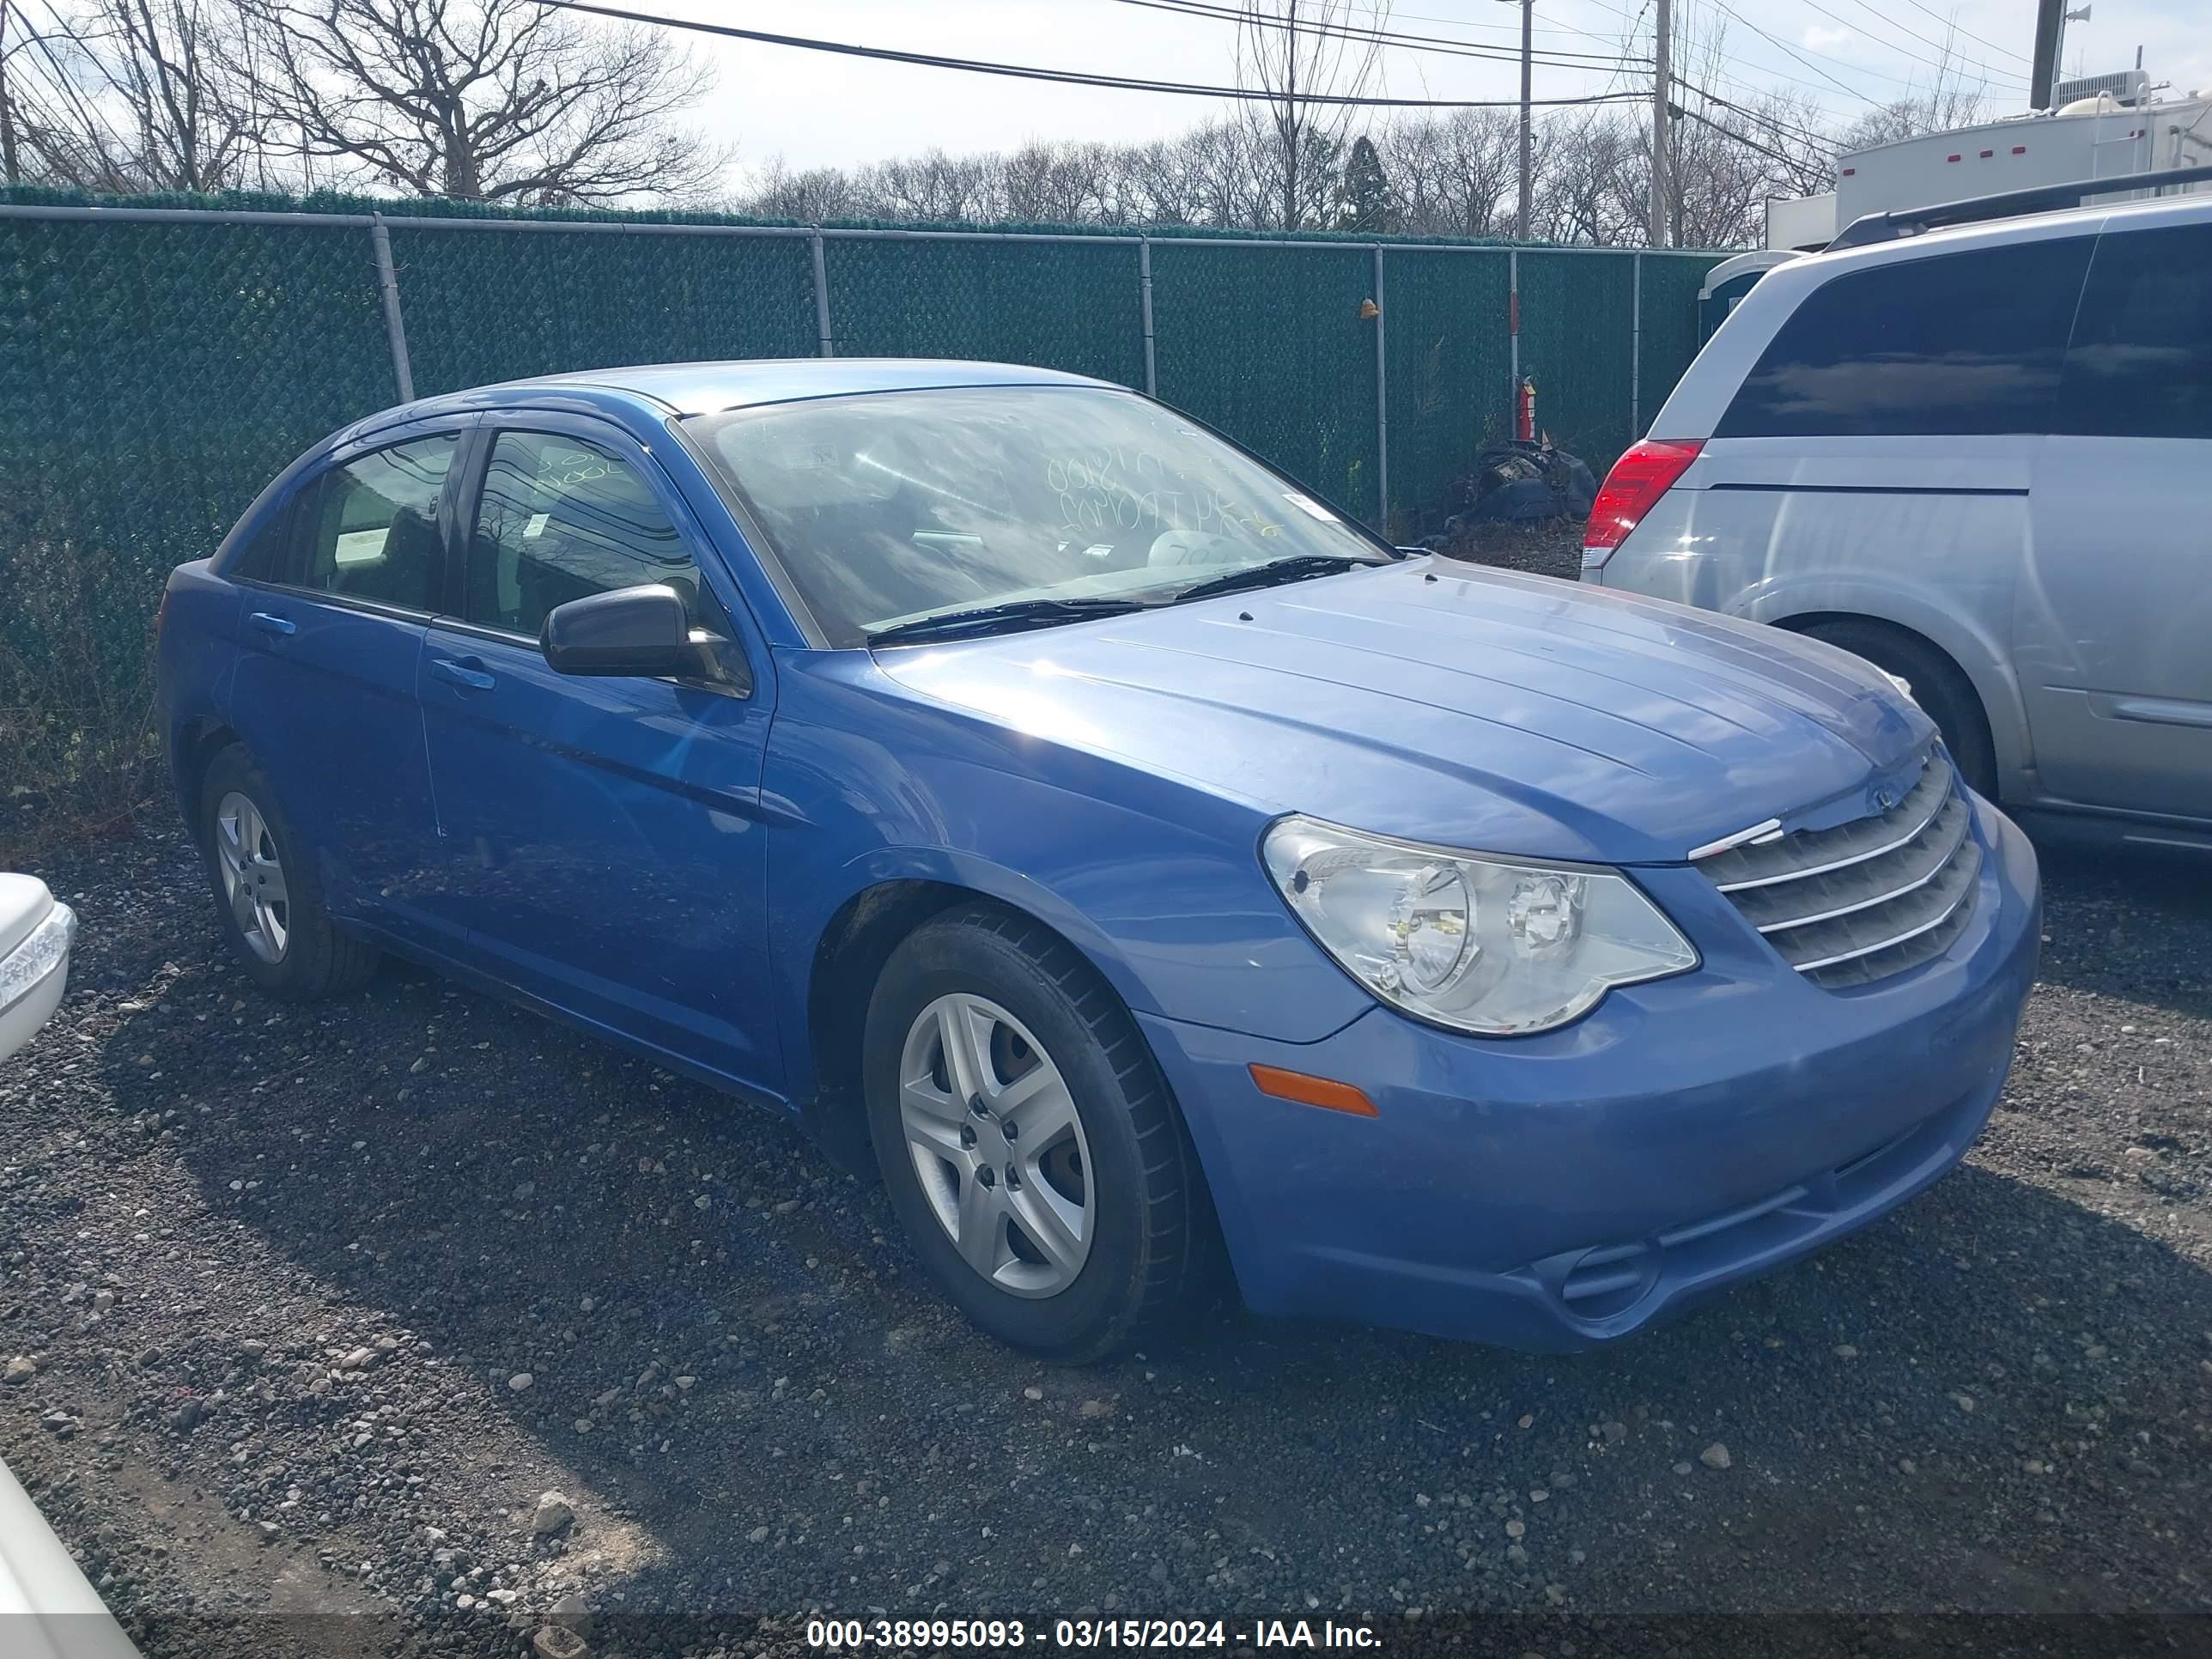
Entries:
{"x":263,"y":556}
{"x":1953,"y":344}
{"x":371,"y":528}
{"x":2141,"y":362}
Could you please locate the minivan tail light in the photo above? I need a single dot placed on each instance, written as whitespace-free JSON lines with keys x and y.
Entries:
{"x":1636,"y":481}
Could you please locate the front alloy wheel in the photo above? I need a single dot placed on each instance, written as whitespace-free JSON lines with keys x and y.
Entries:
{"x":996,"y":1145}
{"x":1028,"y":1142}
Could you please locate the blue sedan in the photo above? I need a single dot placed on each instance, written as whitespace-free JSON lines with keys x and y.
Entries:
{"x":1176,"y":887}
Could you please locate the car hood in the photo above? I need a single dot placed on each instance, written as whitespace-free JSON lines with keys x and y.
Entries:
{"x":1448,"y":703}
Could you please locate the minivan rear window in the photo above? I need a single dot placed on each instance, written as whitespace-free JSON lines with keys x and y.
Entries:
{"x":2141,"y":362}
{"x":1950,"y":344}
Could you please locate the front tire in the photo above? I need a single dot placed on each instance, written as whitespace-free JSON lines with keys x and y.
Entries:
{"x":269,"y":902}
{"x":1028,"y":1142}
{"x":1944,"y":694}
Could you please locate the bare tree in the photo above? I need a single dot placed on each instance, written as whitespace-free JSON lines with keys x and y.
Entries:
{"x":933,"y":186}
{"x":130,"y":95}
{"x":500,"y":100}
{"x":811,"y":196}
{"x":1454,"y":176}
{"x":1294,"y":53}
{"x":1059,"y":183}
{"x":12,"y":160}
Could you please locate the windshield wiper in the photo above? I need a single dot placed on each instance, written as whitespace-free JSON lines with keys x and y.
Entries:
{"x":1296,"y":568}
{"x":1014,"y":613}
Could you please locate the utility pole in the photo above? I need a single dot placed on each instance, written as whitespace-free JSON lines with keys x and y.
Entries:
{"x":11,"y":172}
{"x":1663,"y":216}
{"x":2049,"y":24}
{"x":1528,"y":138}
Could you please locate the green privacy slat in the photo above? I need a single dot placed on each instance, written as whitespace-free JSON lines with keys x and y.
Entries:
{"x":154,"y":376}
{"x":1069,"y":306}
{"x":1576,"y":323}
{"x":1450,"y":373}
{"x":1671,"y":283}
{"x":482,"y":305}
{"x":1267,"y":343}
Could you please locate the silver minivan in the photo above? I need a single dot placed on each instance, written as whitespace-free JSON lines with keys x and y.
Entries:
{"x":1982,"y":458}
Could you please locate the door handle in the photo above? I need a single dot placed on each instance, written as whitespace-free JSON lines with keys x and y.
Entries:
{"x":270,"y":623}
{"x":472,"y":680}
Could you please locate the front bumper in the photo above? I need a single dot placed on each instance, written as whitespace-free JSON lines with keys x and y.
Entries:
{"x":1563,"y":1190}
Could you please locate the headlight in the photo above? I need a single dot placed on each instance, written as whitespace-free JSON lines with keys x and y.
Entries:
{"x":1479,"y":944}
{"x":39,"y":955}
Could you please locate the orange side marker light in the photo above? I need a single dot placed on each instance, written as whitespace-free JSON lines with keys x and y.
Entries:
{"x":1312,"y":1091}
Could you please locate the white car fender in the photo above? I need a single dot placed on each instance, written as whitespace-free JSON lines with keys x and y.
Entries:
{"x":47,"y":1608}
{"x":36,"y":935}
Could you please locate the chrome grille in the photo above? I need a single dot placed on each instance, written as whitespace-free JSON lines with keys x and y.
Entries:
{"x":1865,"y":899}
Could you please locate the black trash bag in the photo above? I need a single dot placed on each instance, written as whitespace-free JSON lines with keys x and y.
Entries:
{"x":1522,"y":481}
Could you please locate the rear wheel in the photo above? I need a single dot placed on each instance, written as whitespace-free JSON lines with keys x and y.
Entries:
{"x":269,"y":902}
{"x":1028,"y":1143}
{"x":1943,"y":692}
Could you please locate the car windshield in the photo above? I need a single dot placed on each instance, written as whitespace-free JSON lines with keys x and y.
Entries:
{"x":887,"y":507}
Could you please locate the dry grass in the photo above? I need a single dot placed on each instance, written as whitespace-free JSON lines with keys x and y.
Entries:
{"x":76,"y":703}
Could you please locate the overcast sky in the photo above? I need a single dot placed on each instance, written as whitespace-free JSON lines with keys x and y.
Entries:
{"x":813,"y":108}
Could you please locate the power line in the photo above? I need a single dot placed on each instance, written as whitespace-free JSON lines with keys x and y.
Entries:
{"x":2011,"y":77}
{"x":1952,"y":23}
{"x":1773,"y":124}
{"x":1061,"y":77}
{"x":1752,"y":144}
{"x":1504,"y":28}
{"x":1635,"y":26}
{"x":1850,"y":92}
{"x":1550,"y":56}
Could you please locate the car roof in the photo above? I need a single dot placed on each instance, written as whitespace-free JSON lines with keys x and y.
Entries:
{"x":705,"y":388}
{"x":2028,"y":226}
{"x":658,"y":391}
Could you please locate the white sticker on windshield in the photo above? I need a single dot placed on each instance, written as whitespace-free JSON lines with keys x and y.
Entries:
{"x":1311,"y":508}
{"x":536,"y":527}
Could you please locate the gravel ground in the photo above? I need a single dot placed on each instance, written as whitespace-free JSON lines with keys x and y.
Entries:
{"x":1549,"y":547}
{"x":303,"y":1311}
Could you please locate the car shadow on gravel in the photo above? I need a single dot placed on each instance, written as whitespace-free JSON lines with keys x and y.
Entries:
{"x":725,"y":1344}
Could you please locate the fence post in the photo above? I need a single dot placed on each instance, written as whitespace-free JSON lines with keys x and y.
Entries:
{"x":826,"y":345}
{"x":395,"y":329}
{"x":1381,"y":403}
{"x":1636,"y":350}
{"x":1145,"y":302}
{"x":1513,"y":341}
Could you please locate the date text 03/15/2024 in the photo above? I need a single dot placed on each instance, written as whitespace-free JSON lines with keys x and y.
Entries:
{"x":1008,"y":1634}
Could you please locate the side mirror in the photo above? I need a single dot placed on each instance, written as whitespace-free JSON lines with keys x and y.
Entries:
{"x":641,"y":631}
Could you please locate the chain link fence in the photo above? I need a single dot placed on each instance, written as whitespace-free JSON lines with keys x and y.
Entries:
{"x":161,"y":358}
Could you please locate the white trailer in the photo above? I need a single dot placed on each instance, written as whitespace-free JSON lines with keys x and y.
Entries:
{"x":2096,"y":137}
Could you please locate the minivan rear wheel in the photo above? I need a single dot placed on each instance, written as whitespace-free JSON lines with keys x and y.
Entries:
{"x":1944,"y":693}
{"x":1028,"y":1141}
